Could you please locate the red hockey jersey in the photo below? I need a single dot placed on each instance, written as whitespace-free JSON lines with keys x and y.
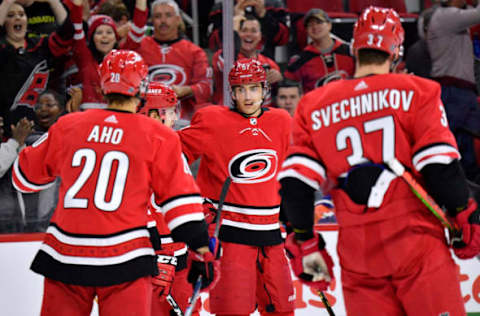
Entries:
{"x":250,"y":151}
{"x":217,"y":65}
{"x":109,"y":162}
{"x":314,"y":69}
{"x":374,"y":118}
{"x":179,"y":62}
{"x":87,"y":64}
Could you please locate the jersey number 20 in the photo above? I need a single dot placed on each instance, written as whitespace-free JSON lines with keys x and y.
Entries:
{"x":90,"y":156}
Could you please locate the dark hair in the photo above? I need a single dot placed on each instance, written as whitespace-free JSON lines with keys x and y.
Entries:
{"x":114,"y":8}
{"x":117,"y":98}
{"x":57,"y":96}
{"x":97,"y":55}
{"x":287,"y":83}
{"x":250,"y":17}
{"x":367,"y":56}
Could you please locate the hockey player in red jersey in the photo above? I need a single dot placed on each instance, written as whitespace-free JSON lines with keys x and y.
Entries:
{"x":248,"y":144}
{"x":110,"y":160}
{"x":393,"y":253}
{"x":162,"y":104}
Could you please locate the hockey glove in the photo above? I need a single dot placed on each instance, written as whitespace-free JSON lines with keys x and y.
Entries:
{"x":310,"y":261}
{"x":166,"y":273}
{"x":206,"y":266}
{"x":468,"y":222}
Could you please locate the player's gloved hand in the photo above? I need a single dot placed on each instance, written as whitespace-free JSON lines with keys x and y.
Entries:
{"x":468,"y":221}
{"x":166,"y":272}
{"x":206,"y":266}
{"x":310,"y":261}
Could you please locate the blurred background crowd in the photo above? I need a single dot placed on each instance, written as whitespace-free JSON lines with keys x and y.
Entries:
{"x":50,"y":51}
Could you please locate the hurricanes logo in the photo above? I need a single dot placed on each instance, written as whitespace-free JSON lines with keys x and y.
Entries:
{"x":253,"y":166}
{"x":332,"y":76}
{"x":167,"y":74}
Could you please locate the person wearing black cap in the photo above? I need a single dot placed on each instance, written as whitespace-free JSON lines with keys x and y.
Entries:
{"x":325,"y":59}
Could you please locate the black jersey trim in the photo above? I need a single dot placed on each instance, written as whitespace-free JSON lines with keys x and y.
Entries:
{"x":85,"y":275}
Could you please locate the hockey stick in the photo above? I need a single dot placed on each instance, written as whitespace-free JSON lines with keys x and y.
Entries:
{"x":397,"y":167}
{"x":213,"y":245}
{"x":176,"y":309}
{"x":326,"y":303}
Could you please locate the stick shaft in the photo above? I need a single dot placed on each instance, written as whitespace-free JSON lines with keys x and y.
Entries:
{"x":326,"y":303}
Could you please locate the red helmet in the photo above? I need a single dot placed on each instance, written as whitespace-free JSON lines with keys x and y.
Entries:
{"x":247,"y":70}
{"x":158,"y":96}
{"x":381,"y":29}
{"x":122,"y":71}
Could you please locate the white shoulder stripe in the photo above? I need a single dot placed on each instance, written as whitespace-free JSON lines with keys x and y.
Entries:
{"x":306,"y":162}
{"x":290,"y":173}
{"x":26,"y":183}
{"x":96,"y":261}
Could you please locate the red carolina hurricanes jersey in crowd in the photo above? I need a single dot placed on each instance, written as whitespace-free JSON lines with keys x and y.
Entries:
{"x":87,"y":65}
{"x":250,"y":151}
{"x":109,"y":162}
{"x":217,"y":65}
{"x":314,"y":69}
{"x":179,"y":62}
{"x":373,"y":118}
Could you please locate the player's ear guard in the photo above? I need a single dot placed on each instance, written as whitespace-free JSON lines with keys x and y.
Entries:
{"x":367,"y":183}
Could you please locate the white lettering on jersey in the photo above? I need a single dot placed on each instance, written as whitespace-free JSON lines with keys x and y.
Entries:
{"x":360,"y":105}
{"x":107,"y":135}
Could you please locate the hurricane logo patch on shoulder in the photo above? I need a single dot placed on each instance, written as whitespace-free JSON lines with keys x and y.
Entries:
{"x":253,"y":166}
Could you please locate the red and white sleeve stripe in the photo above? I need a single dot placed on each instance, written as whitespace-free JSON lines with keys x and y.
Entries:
{"x":304,"y":168}
{"x":22,"y":184}
{"x":180,"y":209}
{"x":438,"y":154}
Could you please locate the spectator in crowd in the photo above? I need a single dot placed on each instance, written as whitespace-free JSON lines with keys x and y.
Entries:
{"x":10,"y":148}
{"x":37,"y":208}
{"x":272,"y":20}
{"x":25,"y":62}
{"x":418,"y":59}
{"x":118,"y":11}
{"x":175,"y":61}
{"x":327,"y":58}
{"x":451,"y":51}
{"x":102,"y":38}
{"x":249,"y":32}
{"x":43,"y":16}
{"x":288,"y":94}
{"x":49,"y":107}
{"x":10,"y":213}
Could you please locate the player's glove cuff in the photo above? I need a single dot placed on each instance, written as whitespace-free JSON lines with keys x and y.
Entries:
{"x":206,"y":266}
{"x":310,"y":261}
{"x":468,"y":221}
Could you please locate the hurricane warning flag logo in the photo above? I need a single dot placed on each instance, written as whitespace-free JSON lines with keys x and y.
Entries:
{"x":253,"y":166}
